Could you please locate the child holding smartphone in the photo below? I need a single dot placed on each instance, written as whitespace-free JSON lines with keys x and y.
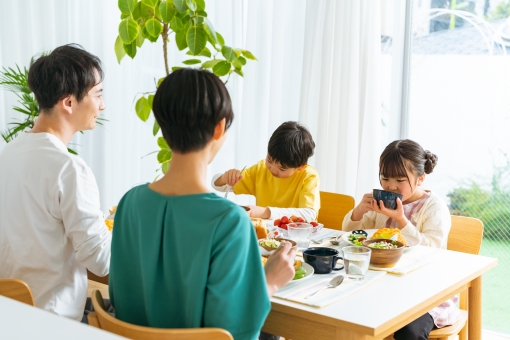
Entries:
{"x":403,"y":167}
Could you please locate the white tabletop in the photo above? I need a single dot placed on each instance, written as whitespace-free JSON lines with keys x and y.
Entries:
{"x":417,"y":290}
{"x":21,"y":321}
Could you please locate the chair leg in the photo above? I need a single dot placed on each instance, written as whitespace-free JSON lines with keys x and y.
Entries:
{"x":92,"y":319}
{"x":463,"y":333}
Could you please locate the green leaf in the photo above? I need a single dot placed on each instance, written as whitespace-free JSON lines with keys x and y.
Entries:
{"x":167,"y":10}
{"x":128,"y":30}
{"x":157,"y":13}
{"x":211,"y":63}
{"x":148,"y":36}
{"x":239,"y":72}
{"x":201,"y":5}
{"x":150,"y":99}
{"x":228,"y":53}
{"x":220,"y":39}
{"x":222,"y":68}
{"x":127,"y":6}
{"x":180,"y":5}
{"x":142,"y":11}
{"x":164,"y":155}
{"x":130,"y":49}
{"x":202,"y":14}
{"x":180,"y":40}
{"x":209,"y":28}
{"x":191,"y":5}
{"x":71,"y":151}
{"x":119,"y":49}
{"x":123,"y":16}
{"x":239,"y":62}
{"x":198,"y":20}
{"x":197,"y":39}
{"x":160,"y":80}
{"x":248,"y":55}
{"x":175,"y":68}
{"x":165,"y":166}
{"x":162,"y":143}
{"x":176,"y":24}
{"x":154,"y":27}
{"x":143,"y":110}
{"x":140,"y":39}
{"x":205,"y":53}
{"x":155,"y":128}
{"x":192,"y":61}
{"x":150,"y":3}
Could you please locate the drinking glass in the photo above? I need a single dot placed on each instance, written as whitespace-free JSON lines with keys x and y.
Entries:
{"x":356,"y":261}
{"x":300,"y":232}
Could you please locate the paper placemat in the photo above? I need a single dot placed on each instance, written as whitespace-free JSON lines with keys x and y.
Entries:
{"x":296,"y":291}
{"x":413,"y":259}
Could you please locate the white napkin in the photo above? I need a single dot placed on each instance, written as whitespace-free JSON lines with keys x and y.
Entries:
{"x":413,"y":259}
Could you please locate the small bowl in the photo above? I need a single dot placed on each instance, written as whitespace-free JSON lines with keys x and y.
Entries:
{"x":270,"y":250}
{"x":384,"y":258}
{"x":284,"y":233}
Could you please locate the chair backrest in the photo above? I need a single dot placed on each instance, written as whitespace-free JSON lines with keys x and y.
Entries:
{"x":465,"y":235}
{"x":17,"y":290}
{"x":334,"y":207}
{"x":108,"y":323}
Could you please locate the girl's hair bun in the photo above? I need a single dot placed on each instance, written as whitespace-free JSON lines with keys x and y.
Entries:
{"x":430,"y":161}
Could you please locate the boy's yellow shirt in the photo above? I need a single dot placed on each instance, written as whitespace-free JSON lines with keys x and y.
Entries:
{"x":301,"y":190}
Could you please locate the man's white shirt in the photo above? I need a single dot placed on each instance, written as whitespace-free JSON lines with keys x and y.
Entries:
{"x":51,"y":225}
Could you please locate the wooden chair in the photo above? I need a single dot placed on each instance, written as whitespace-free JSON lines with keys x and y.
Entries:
{"x":465,"y":236}
{"x":94,"y":277}
{"x":17,"y":290}
{"x":333,"y":209}
{"x":101,"y":319}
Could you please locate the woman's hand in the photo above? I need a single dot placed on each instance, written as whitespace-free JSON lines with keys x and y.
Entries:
{"x":259,"y":212}
{"x":279,"y":267}
{"x":363,"y":207}
{"x":397,"y":214}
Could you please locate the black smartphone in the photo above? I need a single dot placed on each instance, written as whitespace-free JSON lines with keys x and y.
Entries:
{"x":389,"y":198}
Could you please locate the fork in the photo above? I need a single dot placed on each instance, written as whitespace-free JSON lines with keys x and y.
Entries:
{"x":230,"y":187}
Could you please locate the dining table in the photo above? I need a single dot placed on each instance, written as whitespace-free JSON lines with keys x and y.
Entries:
{"x":384,"y":306}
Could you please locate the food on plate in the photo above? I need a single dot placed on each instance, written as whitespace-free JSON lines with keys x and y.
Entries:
{"x":112,"y":209}
{"x":260,"y":227}
{"x":300,"y":271}
{"x":264,"y":261}
{"x":388,"y":233}
{"x":385,"y":244}
{"x":270,"y":243}
{"x":357,"y":239}
{"x":109,"y":223}
{"x":282,"y":222}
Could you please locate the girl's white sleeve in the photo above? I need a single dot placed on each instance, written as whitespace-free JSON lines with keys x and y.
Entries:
{"x":306,"y":213}
{"x":222,"y":188}
{"x":366,"y":222}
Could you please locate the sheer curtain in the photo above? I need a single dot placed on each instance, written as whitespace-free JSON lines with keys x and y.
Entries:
{"x":318,"y":62}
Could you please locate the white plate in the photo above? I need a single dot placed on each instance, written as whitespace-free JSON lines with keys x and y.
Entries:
{"x":309,"y":273}
{"x":411,"y":240}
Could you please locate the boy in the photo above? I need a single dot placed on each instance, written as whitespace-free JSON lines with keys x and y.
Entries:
{"x":283,"y":184}
{"x":191,"y":257}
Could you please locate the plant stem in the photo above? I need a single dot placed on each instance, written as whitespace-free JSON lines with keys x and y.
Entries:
{"x":165,"y":43}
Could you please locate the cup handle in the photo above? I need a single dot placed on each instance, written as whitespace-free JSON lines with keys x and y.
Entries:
{"x":336,"y":259}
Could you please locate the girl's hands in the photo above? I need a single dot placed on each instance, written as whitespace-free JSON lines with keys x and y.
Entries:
{"x":279,"y":268}
{"x":397,"y":214}
{"x":363,"y":207}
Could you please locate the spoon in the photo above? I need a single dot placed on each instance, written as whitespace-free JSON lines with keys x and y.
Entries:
{"x":230,"y":187}
{"x":335,"y":282}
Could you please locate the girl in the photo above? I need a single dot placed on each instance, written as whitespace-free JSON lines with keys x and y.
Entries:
{"x":403,"y":166}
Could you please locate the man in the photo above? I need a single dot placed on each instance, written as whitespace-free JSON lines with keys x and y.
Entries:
{"x":51,"y":227}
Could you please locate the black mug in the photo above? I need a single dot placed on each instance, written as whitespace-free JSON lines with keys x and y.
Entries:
{"x":323,"y":260}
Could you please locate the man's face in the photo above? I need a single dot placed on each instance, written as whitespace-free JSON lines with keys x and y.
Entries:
{"x":277,"y":170}
{"x":88,"y":109}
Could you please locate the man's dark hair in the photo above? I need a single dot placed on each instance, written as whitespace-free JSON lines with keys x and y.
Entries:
{"x":291,"y":144}
{"x":68,"y":70}
{"x":188,"y":105}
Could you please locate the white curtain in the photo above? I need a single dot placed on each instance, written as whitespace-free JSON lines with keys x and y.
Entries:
{"x":318,"y":62}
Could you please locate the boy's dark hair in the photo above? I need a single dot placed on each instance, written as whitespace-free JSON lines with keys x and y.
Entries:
{"x":188,"y":105}
{"x":291,"y":144}
{"x":405,"y":154}
{"x":68,"y":70}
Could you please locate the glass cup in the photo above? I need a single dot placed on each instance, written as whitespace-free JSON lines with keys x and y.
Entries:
{"x":300,"y":232}
{"x":356,"y":261}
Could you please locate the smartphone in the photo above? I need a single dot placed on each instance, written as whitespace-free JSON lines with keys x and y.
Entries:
{"x":389,"y":198}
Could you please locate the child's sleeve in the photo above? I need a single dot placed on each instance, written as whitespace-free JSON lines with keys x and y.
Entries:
{"x":222,"y":188}
{"x":309,"y":197}
{"x":247,"y":184}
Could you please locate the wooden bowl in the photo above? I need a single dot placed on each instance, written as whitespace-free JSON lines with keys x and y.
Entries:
{"x":384,"y":258}
{"x":269,"y":249}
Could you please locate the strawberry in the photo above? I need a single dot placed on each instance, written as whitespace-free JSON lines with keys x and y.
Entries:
{"x":277,"y":222}
{"x":284,"y":220}
{"x":315,"y":224}
{"x":293,"y":218}
{"x":283,"y":226}
{"x":300,"y":219}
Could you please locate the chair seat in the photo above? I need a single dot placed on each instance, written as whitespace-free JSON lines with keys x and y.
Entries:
{"x":450,"y":330}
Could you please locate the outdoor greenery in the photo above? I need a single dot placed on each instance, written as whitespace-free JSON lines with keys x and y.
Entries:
{"x":492,"y":206}
{"x":15,"y":80}
{"x":192,"y":32}
{"x":502,"y":11}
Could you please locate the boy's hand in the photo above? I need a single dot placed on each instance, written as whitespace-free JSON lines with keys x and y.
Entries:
{"x":259,"y":212}
{"x":363,"y":207}
{"x":279,"y":268}
{"x":397,"y":215}
{"x":230,"y":177}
